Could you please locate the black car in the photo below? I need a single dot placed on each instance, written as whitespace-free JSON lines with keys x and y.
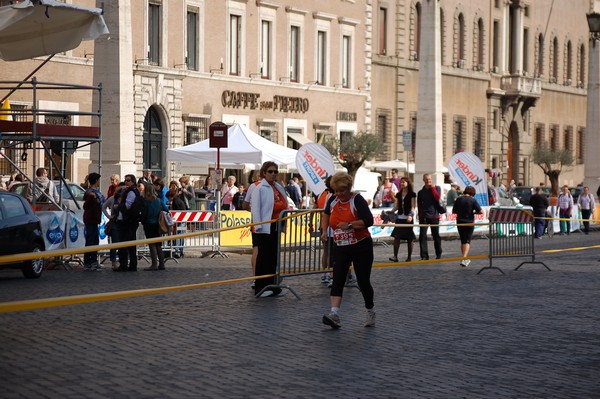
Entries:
{"x":523,"y":194}
{"x":20,"y":232}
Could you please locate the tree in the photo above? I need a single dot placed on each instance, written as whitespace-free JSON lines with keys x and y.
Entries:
{"x":552,"y":163}
{"x":353,"y":151}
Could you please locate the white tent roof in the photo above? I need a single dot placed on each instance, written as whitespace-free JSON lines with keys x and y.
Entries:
{"x":47,"y":27}
{"x":395,"y":164}
{"x":244,"y":147}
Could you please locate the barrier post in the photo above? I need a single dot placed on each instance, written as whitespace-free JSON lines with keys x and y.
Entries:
{"x":507,"y":237}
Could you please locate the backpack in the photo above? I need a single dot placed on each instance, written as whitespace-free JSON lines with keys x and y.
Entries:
{"x":165,"y":222}
{"x":44,"y":195}
{"x":133,"y":214}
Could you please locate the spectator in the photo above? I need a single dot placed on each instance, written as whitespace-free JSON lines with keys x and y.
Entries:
{"x":267,"y":202}
{"x":187,"y":192}
{"x":405,"y":205}
{"x":349,"y":216}
{"x":92,"y":217}
{"x":292,"y":190}
{"x":238,"y":198}
{"x":228,"y":191}
{"x":452,"y":194}
{"x":146,"y":177}
{"x":428,"y":205}
{"x":586,"y":204}
{"x":44,"y":190}
{"x":111,"y":211}
{"x":151,"y":207}
{"x":387,"y":192}
{"x":18,"y":178}
{"x":174,"y":201}
{"x":539,"y":203}
{"x":114,"y":183}
{"x":565,"y":206}
{"x":326,"y":257}
{"x":129,"y":216}
{"x":465,"y":208}
{"x":161,"y":190}
{"x":396,"y":181}
{"x":246,"y":206}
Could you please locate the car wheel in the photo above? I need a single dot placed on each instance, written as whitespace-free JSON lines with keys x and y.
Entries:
{"x":34,"y":268}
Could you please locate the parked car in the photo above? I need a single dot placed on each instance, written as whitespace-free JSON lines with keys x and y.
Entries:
{"x":20,"y":232}
{"x":524,"y":193}
{"x":502,"y":198}
{"x":67,"y":201}
{"x":575,"y":192}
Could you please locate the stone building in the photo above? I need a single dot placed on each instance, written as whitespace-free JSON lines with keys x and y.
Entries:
{"x":514,"y":76}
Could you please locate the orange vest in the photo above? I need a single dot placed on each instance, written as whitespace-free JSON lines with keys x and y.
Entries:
{"x":341,"y":212}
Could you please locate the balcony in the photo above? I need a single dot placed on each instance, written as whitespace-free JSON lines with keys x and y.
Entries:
{"x":521,"y":86}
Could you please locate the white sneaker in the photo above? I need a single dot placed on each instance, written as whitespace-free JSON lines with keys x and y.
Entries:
{"x":265,"y":294}
{"x":370,"y":322}
{"x":465,"y":262}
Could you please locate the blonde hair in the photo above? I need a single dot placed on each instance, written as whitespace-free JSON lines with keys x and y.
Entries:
{"x":341,"y":180}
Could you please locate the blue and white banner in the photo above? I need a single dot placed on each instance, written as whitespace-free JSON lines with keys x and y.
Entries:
{"x":467,"y":170}
{"x":314,"y":163}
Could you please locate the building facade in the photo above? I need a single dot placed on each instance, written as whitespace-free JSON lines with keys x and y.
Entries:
{"x":513,"y":78}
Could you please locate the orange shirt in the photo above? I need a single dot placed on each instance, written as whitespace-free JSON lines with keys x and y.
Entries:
{"x":342,"y":212}
{"x":280,"y":203}
{"x":322,"y":200}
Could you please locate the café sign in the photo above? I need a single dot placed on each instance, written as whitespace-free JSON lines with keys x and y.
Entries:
{"x":245,"y":100}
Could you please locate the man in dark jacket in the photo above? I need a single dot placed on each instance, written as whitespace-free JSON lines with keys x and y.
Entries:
{"x":539,"y":203}
{"x":92,"y":217}
{"x":129,"y":209}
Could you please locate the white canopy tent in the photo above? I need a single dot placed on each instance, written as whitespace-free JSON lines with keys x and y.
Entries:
{"x":29,"y":29}
{"x":244,"y":147}
{"x":395,"y":164}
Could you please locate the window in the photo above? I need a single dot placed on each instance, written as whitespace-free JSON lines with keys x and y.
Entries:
{"x":539,"y":64}
{"x":568,"y":138}
{"x":458,"y":138}
{"x":525,"y":50}
{"x":581,"y":77}
{"x":580,"y":145}
{"x":413,"y":129}
{"x":265,"y":50}
{"x":442,"y":37}
{"x":460,"y":41}
{"x":344,"y":137}
{"x":384,"y":130}
{"x":382,"y":30}
{"x":479,"y":46}
{"x":479,"y":138}
{"x":416,"y":48}
{"x":154,"y":34}
{"x":346,"y":60}
{"x":569,"y":66}
{"x":553,"y":144}
{"x":235,"y":45}
{"x":321,"y":57}
{"x":294,"y":53}
{"x":554,"y":61}
{"x":152,"y":137}
{"x":196,"y":128}
{"x":496,"y":49}
{"x":540,"y":139}
{"x":191,"y":57}
{"x":13,"y":206}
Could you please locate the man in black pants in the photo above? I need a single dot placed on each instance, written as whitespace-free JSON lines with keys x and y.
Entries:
{"x":428,"y":205}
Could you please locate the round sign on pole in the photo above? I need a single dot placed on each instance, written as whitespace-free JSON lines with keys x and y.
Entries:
{"x":315,"y":164}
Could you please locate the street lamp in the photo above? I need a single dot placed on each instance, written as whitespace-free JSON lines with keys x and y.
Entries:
{"x":594,"y":25}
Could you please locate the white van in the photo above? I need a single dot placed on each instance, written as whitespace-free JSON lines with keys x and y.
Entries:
{"x":367,"y":184}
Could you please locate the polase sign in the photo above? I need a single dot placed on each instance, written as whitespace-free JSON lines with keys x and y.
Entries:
{"x":240,"y":99}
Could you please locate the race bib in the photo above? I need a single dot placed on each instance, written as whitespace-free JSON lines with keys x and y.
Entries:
{"x":344,"y":237}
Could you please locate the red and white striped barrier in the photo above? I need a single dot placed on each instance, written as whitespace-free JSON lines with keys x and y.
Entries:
{"x":510,"y":215}
{"x":192,"y":216}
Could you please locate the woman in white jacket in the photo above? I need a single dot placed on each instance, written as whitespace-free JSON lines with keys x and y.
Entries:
{"x":267,"y":202}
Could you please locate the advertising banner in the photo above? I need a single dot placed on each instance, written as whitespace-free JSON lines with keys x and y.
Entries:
{"x":467,"y":170}
{"x":53,"y":228}
{"x":314,"y":163}
{"x":238,"y":237}
{"x":75,"y":229}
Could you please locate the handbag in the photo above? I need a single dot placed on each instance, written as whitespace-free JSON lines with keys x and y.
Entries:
{"x":165,"y":222}
{"x":108,"y":226}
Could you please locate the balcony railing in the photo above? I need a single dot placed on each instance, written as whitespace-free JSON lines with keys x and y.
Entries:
{"x":522,"y":86}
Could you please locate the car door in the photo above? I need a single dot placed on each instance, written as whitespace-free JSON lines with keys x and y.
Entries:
{"x":16,"y":225}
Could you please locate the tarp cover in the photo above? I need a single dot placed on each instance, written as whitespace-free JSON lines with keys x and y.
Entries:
{"x":244,"y":147}
{"x":47,"y":27}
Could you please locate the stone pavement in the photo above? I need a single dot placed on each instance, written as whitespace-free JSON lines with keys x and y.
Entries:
{"x":442,"y":332}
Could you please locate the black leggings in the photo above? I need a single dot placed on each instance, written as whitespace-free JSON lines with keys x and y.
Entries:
{"x":361,"y":255}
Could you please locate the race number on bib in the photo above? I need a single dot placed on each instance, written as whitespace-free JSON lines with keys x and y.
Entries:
{"x":344,"y":237}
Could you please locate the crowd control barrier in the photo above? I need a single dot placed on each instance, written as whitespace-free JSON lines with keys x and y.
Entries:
{"x":300,"y":247}
{"x":510,"y":235}
{"x":190,"y":221}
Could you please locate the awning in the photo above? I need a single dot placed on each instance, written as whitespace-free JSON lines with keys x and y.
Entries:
{"x":29,"y":30}
{"x":300,"y":139}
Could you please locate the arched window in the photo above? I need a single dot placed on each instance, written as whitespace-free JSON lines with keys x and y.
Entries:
{"x":460,"y":41}
{"x":569,"y":66}
{"x":554,"y":61}
{"x":581,"y":77}
{"x":152,"y":141}
{"x":478,"y":60}
{"x":417,"y":32}
{"x":539,"y":62}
